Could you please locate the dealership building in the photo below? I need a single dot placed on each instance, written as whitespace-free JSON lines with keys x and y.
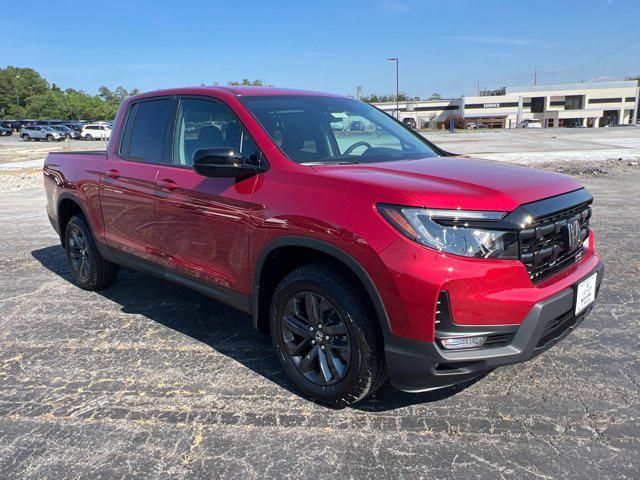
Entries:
{"x":595,"y":104}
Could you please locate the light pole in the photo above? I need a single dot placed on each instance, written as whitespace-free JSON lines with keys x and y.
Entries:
{"x":397,"y":87}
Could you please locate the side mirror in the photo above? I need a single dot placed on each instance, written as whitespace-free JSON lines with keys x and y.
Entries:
{"x":221,"y":162}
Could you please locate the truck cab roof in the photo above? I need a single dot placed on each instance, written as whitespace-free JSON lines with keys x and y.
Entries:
{"x":231,"y":90}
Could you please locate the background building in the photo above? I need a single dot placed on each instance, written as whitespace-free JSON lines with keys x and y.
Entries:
{"x":596,"y":104}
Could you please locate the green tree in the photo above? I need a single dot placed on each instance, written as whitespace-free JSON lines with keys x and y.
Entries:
{"x":375,"y":98}
{"x":46,"y":105}
{"x":248,"y":83}
{"x":113,"y":99}
{"x":17,"y":87}
{"x":25,"y":94}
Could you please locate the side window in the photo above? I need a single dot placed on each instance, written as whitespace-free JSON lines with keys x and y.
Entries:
{"x":126,"y":135}
{"x":206,"y":124}
{"x":149,"y":129}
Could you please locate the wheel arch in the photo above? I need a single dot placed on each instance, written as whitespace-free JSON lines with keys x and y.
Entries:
{"x":306,"y":250}
{"x":68,"y":206}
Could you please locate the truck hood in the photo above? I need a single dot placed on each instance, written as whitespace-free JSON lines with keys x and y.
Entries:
{"x":457,"y":182}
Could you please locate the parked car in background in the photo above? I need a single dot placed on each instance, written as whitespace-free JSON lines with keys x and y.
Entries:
{"x":530,"y":124}
{"x":75,"y":129}
{"x":66,"y":131}
{"x":13,"y":125}
{"x":94,"y":131}
{"x":410,"y":123}
{"x":16,"y":125}
{"x":357,"y":126}
{"x":5,"y":132}
{"x":337,"y":126}
{"x":40,"y":132}
{"x":75,"y":126}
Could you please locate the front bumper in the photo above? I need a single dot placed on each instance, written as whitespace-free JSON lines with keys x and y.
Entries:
{"x":419,"y":366}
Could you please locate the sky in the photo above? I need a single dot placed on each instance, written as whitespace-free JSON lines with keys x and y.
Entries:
{"x":443,"y":46}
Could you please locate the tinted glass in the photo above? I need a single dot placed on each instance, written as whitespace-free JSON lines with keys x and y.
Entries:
{"x":573,"y":102}
{"x":149,"y":129}
{"x":314,"y":129}
{"x":206,"y":124}
{"x":126,"y":135}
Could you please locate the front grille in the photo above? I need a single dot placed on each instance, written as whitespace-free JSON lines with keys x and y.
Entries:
{"x":547,"y":246}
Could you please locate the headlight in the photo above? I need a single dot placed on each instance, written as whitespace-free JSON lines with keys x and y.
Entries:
{"x":453,"y":231}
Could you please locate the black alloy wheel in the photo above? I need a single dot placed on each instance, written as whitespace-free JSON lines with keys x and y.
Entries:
{"x":90,"y":270}
{"x":326,"y":336}
{"x":79,"y":254}
{"x":316,"y":338}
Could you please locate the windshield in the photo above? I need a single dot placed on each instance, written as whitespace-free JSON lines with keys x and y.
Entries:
{"x":314,"y":129}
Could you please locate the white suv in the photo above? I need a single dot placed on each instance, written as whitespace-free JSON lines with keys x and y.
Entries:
{"x":94,"y":131}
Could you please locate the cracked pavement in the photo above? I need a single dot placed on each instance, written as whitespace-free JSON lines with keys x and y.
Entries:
{"x":151,"y":380}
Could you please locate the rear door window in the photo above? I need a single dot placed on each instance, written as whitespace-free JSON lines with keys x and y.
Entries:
{"x":148,"y":134}
{"x":128,"y":127}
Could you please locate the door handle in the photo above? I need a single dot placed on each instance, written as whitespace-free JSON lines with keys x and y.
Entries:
{"x":112,"y":173}
{"x":167,"y":184}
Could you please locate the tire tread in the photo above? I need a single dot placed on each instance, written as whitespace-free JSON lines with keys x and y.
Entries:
{"x":333,"y":278}
{"x":106,"y":272}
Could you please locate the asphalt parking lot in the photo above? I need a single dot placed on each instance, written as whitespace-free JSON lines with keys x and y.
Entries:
{"x":148,"y":379}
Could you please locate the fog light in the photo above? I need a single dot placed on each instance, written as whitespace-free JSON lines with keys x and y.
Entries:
{"x":462,"y":342}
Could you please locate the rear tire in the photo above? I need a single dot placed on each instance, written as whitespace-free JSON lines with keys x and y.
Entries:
{"x":339,"y":358}
{"x":26,"y":137}
{"x":89,"y":269}
{"x":88,"y":136}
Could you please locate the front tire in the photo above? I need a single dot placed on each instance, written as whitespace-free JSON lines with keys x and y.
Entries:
{"x":50,"y":138}
{"x":89,"y":269}
{"x":325,"y":335}
{"x":26,"y":138}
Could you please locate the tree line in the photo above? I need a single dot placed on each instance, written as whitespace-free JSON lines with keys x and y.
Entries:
{"x":24,"y":93}
{"x":402,"y":97}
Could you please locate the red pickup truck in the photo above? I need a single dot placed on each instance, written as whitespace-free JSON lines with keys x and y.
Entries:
{"x":368,"y":253}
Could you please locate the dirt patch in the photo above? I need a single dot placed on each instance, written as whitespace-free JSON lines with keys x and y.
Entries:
{"x":12,"y":180}
{"x":591,"y":169}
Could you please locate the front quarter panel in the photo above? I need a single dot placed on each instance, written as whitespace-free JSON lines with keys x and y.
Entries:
{"x":300,"y":203}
